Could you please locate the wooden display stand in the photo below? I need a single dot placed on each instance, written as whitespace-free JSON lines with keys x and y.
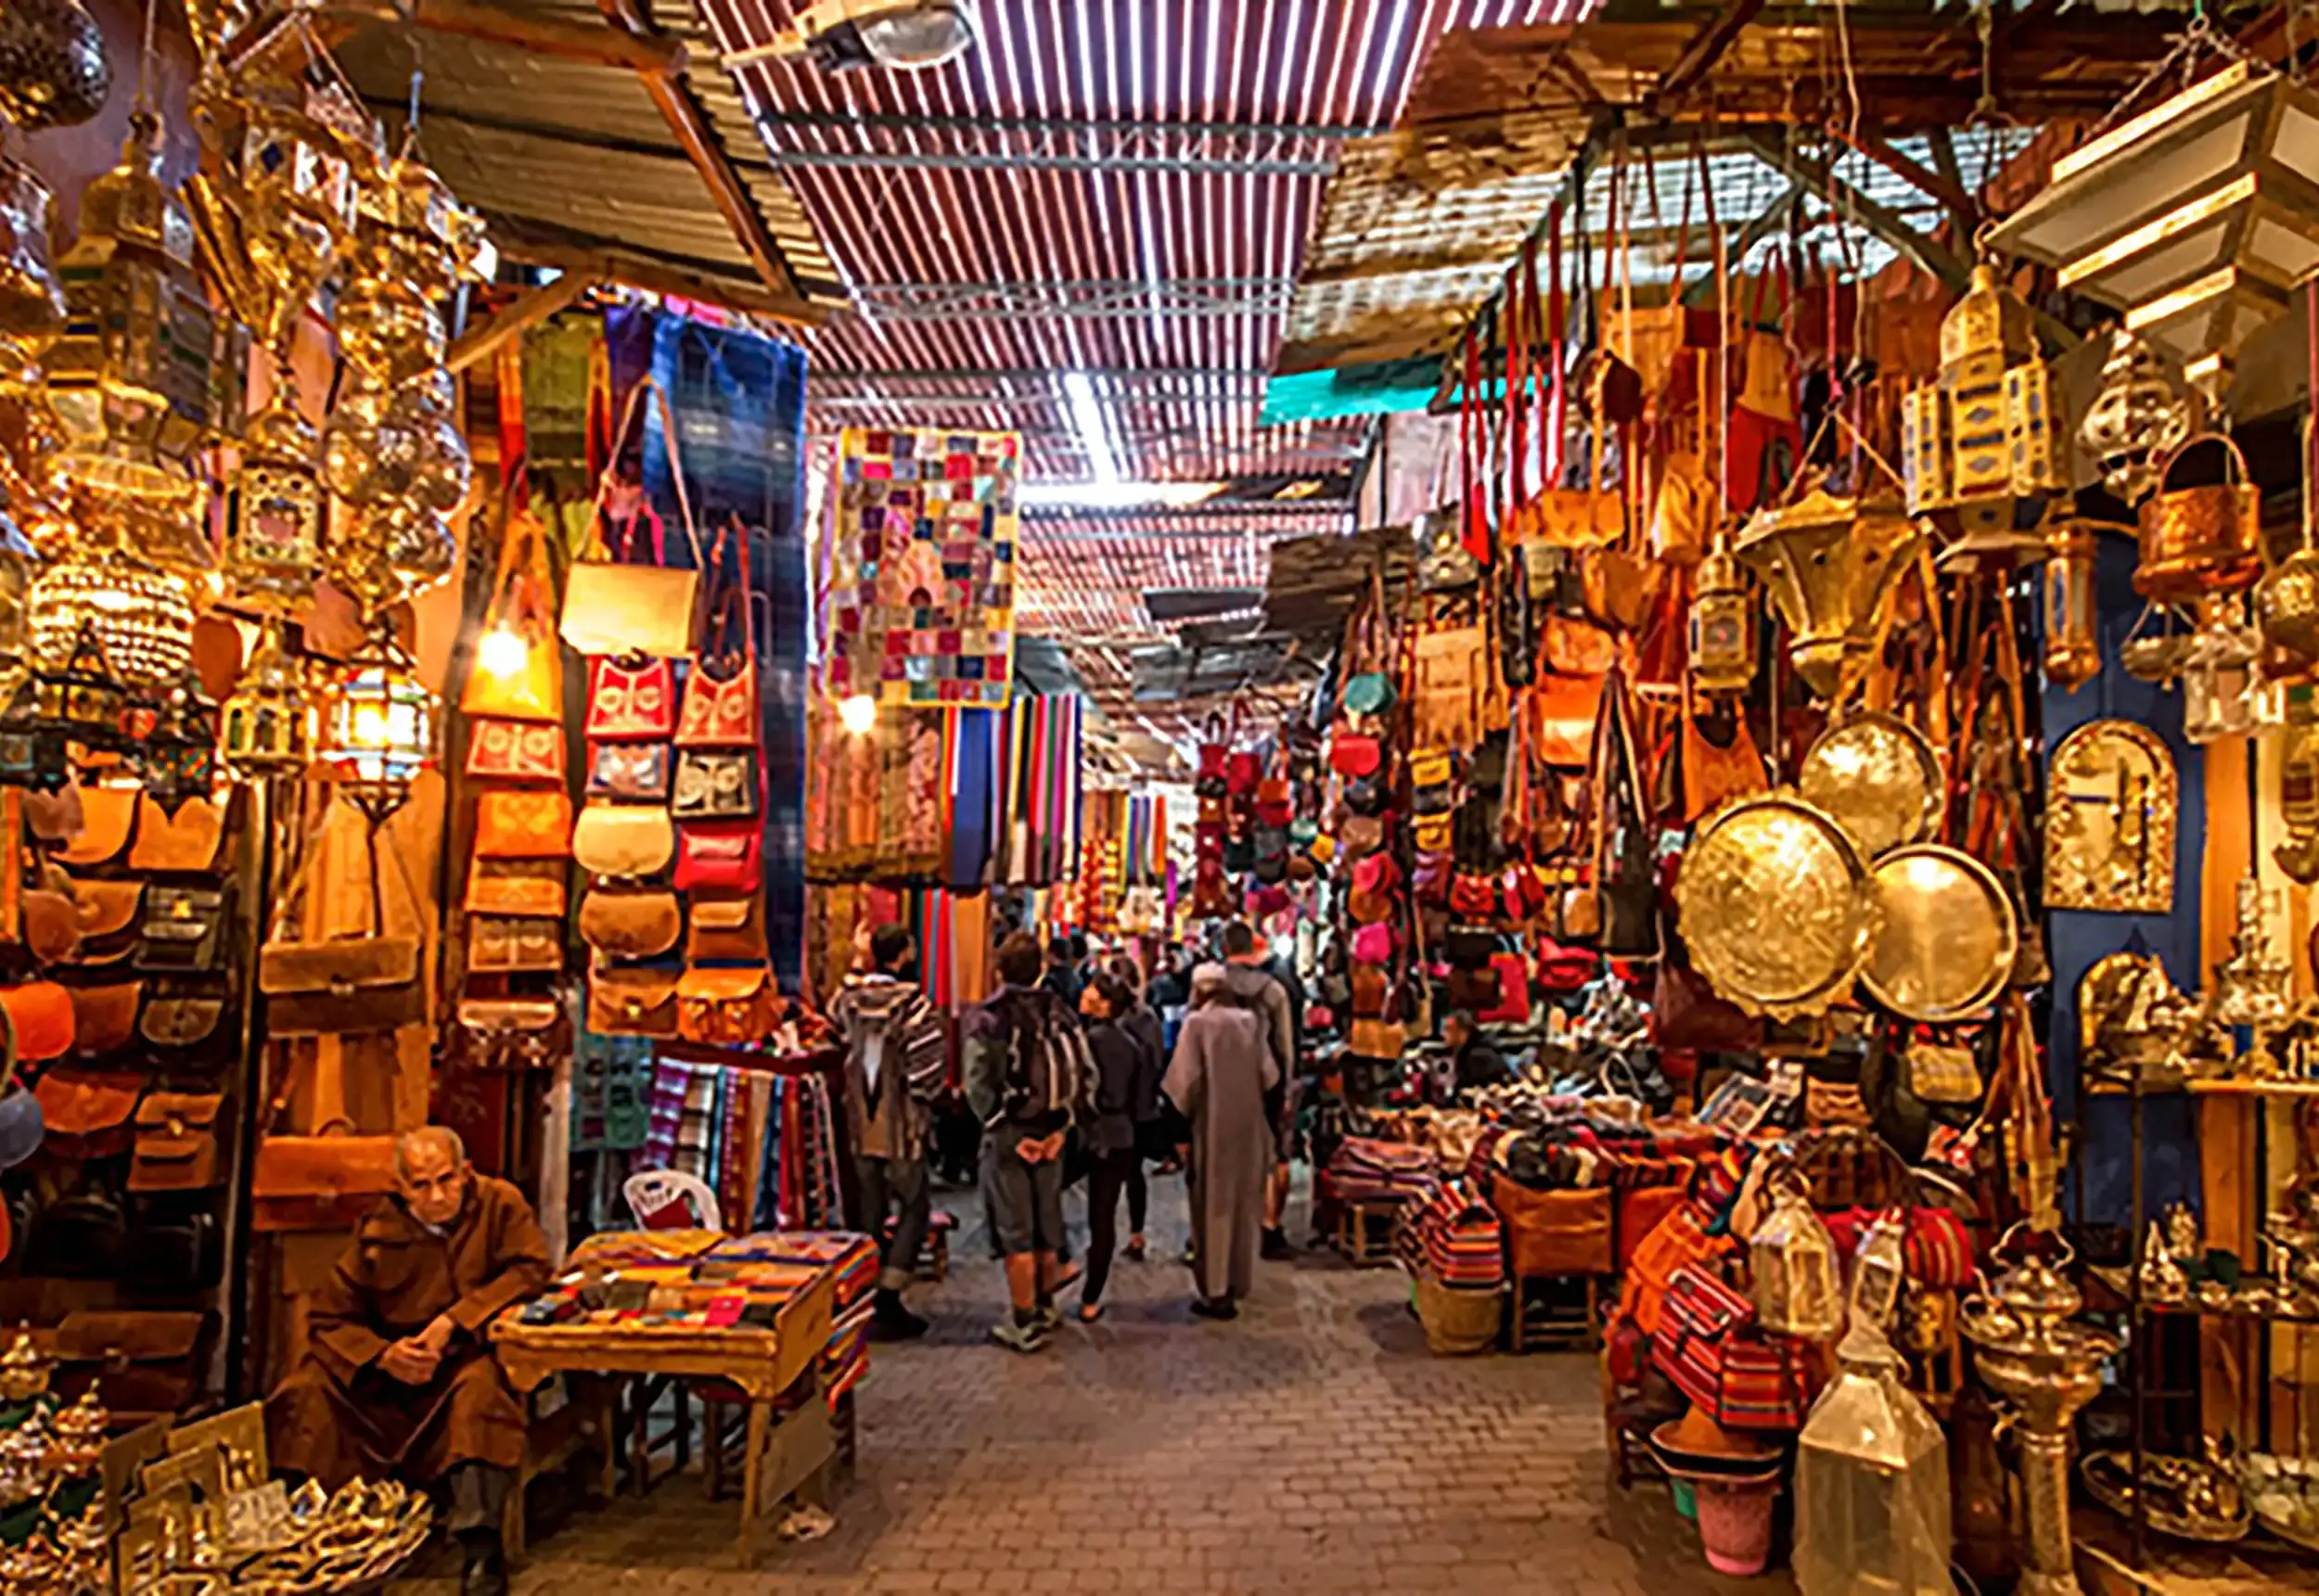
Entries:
{"x":1364,"y":1232}
{"x":789,"y":1443}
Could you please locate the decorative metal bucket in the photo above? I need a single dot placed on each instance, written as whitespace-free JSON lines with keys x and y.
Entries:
{"x":2203,"y":540}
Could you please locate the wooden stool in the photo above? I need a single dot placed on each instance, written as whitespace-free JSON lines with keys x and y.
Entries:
{"x":1364,"y":1232}
{"x":1559,"y":1320}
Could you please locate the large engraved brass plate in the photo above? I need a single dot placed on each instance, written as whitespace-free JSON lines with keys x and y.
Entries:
{"x":1879,"y":777}
{"x":1775,"y":905}
{"x":1947,"y":940}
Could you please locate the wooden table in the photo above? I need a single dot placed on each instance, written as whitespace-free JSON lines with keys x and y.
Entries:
{"x":784,"y":1456}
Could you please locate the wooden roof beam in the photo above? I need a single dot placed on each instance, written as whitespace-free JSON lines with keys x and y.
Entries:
{"x":596,"y":260}
{"x":1949,"y":192}
{"x":1707,"y":47}
{"x":545,"y":35}
{"x":528,"y":309}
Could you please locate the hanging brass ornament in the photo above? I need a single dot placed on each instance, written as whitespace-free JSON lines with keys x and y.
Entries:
{"x":1979,"y":444}
{"x":1947,"y":937}
{"x":1828,"y":565}
{"x":2299,"y":786}
{"x":2252,"y":987}
{"x":2111,"y":806}
{"x":266,"y":727}
{"x":141,"y":615}
{"x":178,"y":760}
{"x":54,"y":72}
{"x":1879,"y":777}
{"x":2195,"y":218}
{"x":273,"y":513}
{"x":2201,"y":537}
{"x":2144,"y":411}
{"x":2224,"y":691}
{"x":1722,"y":624}
{"x":2073,"y":647}
{"x":1773,"y":860}
{"x":382,"y":726}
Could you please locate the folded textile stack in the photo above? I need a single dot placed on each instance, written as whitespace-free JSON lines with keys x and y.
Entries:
{"x":1366,"y":1170}
{"x":1455,"y":1237}
{"x":845,"y":1360}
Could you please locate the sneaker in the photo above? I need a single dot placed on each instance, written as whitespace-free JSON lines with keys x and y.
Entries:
{"x":1218,"y":1308}
{"x":1050,"y":1319}
{"x":1024,"y":1338}
{"x":1276,"y":1246}
{"x":1133,"y":1251}
{"x":892,"y":1321}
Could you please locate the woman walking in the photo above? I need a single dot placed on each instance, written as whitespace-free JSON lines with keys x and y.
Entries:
{"x":1127,"y":1073}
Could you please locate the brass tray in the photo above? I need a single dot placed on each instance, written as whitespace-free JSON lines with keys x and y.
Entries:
{"x":1946,"y":944}
{"x":1879,"y":777}
{"x":2109,"y":1479}
{"x":1775,"y":905}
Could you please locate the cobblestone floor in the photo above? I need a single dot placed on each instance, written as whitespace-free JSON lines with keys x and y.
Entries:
{"x":1312,"y":1445}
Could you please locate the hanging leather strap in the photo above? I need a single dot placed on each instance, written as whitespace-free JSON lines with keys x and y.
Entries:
{"x":1557,"y":348}
{"x":1474,"y":530}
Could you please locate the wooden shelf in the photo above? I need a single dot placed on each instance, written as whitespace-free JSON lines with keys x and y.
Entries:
{"x":2254,"y":1088}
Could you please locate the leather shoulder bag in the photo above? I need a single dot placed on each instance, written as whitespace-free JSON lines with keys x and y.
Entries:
{"x":620,"y":603}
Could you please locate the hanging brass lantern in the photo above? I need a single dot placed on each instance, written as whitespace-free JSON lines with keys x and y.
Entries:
{"x":2222,"y":691}
{"x":382,"y":727}
{"x":142,"y":615}
{"x":2253,"y":986}
{"x":273,"y":513}
{"x":2298,"y":787}
{"x":1979,"y":445}
{"x":1828,"y":565}
{"x":267,"y":726}
{"x":177,"y":761}
{"x":2144,"y":412}
{"x":1723,"y":637}
{"x":32,"y":303}
{"x":78,"y":691}
{"x":2073,"y":645}
{"x":2195,"y":218}
{"x":53,"y":67}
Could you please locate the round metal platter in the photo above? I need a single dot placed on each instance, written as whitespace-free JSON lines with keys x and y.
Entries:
{"x":1775,"y":905}
{"x":1946,"y":946}
{"x":1879,"y":777}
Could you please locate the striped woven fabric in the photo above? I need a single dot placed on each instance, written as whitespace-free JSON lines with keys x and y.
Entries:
{"x":1365,"y":1171}
{"x":1454,"y":1236}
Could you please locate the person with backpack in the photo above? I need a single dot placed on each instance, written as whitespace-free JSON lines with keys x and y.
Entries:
{"x":1223,"y":1070}
{"x":1029,"y":1078}
{"x":1252,"y":982}
{"x":1127,"y":1066}
{"x":896,"y":1061}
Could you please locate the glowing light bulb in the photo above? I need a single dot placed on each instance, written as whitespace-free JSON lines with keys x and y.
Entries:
{"x":858,"y":714}
{"x":500,"y":652}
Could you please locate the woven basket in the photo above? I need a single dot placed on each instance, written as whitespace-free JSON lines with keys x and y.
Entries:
{"x":1458,"y":1323}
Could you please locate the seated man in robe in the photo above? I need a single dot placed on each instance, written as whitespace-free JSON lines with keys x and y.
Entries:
{"x":399,"y":1379}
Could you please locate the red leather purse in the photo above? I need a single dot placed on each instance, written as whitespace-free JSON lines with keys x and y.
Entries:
{"x":631,"y":702}
{"x":720,"y":856}
{"x":719,"y":710}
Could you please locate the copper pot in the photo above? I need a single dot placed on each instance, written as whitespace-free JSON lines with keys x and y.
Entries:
{"x":2203,"y":540}
{"x":2286,"y":603}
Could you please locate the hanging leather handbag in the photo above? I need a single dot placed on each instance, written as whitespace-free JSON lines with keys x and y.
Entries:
{"x":50,"y":919}
{"x":631,"y":923}
{"x":1354,"y":754}
{"x":727,"y":930}
{"x":625,"y":602}
{"x":623,"y":840}
{"x":515,"y":750}
{"x":719,"y":706}
{"x":87,"y":1112}
{"x":341,"y":985}
{"x":516,"y":886}
{"x":108,"y":817}
{"x":1372,"y":986}
{"x":21,"y":1128}
{"x":521,"y":607}
{"x":721,"y":856}
{"x":1708,"y":1343}
{"x":176,"y":1023}
{"x":1377,"y":1039}
{"x":631,"y":700}
{"x":187,"y":841}
{"x":632,"y":1001}
{"x":509,"y":1034}
{"x":1208,"y":782}
{"x":105,"y":1018}
{"x":54,"y":816}
{"x":183,"y":928}
{"x":1686,"y":1015}
{"x":500,"y":944}
{"x":1241,"y":772}
{"x":81,"y":1236}
{"x":520,"y":823}
{"x":630,"y":772}
{"x":105,"y":913}
{"x":141,"y":1365}
{"x":176,"y":1142}
{"x":40,"y":1019}
{"x":728,"y":1007}
{"x":716,"y":784}
{"x":1472,"y":896}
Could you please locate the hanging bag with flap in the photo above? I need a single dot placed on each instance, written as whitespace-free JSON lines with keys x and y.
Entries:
{"x":341,"y":985}
{"x":622,"y":607}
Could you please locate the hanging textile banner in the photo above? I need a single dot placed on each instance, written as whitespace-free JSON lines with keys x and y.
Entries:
{"x":922,"y":568}
{"x":1039,"y":803}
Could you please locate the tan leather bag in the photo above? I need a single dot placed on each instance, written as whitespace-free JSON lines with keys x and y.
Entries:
{"x":176,"y":1022}
{"x":626,"y":1001}
{"x":187,"y":840}
{"x":105,"y":1018}
{"x":727,"y":930}
{"x":54,"y":816}
{"x":106,"y":909}
{"x":176,"y":1145}
{"x":107,"y":815}
{"x":730,"y":1007}
{"x":521,"y":823}
{"x":503,"y":943}
{"x":516,"y":886}
{"x":623,"y":840}
{"x":630,"y":924}
{"x":632,"y":607}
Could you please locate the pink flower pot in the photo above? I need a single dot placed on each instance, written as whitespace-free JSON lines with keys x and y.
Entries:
{"x":1736,"y":1522}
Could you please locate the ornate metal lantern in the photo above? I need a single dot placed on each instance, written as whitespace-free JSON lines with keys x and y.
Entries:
{"x":1792,"y":1258}
{"x":1978,"y":445}
{"x":2195,"y":218}
{"x":2252,"y":987}
{"x":1872,"y":1482}
{"x":267,"y":726}
{"x":2223,"y":694}
{"x":2073,"y":645}
{"x":53,"y":67}
{"x":382,"y":726}
{"x":1723,"y":637}
{"x":179,"y":756}
{"x":2144,"y":412}
{"x":1826,"y":564}
{"x":142,"y":615}
{"x":273,"y":513}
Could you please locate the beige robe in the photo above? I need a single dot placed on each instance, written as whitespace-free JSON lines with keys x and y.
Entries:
{"x":338,"y":1416}
{"x":1222,"y":1069}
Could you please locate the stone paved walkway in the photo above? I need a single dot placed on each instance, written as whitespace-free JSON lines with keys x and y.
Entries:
{"x":1312,"y":1446}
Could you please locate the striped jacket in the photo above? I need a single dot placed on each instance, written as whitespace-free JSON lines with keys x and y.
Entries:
{"x":893,"y":1016}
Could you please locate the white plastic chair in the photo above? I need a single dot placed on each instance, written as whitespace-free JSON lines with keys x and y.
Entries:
{"x":649,"y":1191}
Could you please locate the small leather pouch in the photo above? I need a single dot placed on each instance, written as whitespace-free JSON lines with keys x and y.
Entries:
{"x":631,"y":700}
{"x":42,"y":1012}
{"x":105,"y":1018}
{"x":515,"y":750}
{"x":727,"y":930}
{"x":631,"y":923}
{"x":716,"y":784}
{"x":510,"y":1033}
{"x":107,"y":815}
{"x":141,"y":1365}
{"x":87,"y":1112}
{"x":502,"y":943}
{"x":731,"y":1007}
{"x":186,"y":841}
{"x":516,"y":886}
{"x":176,"y":1144}
{"x":51,"y":920}
{"x":620,"y":839}
{"x":54,"y":816}
{"x":176,"y":1022}
{"x":103,"y":912}
{"x":633,"y":772}
{"x":340,"y":987}
{"x":625,"y":1000}
{"x":183,"y":929}
{"x":517,"y":822}
{"x":721,"y":856}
